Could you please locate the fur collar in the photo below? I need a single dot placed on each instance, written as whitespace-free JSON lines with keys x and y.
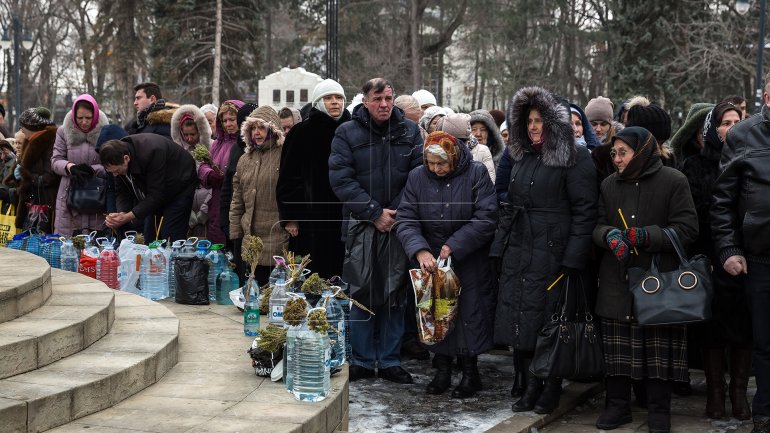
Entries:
{"x":204,"y":129}
{"x":75,"y":136}
{"x":38,"y":147}
{"x":161,"y":117}
{"x":559,"y":149}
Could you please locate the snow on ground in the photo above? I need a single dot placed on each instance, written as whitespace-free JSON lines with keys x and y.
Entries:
{"x":381,"y":406}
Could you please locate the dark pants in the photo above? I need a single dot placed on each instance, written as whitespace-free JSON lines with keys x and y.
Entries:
{"x":758,"y":293}
{"x":175,"y":218}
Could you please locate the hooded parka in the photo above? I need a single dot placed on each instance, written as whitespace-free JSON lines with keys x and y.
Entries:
{"x":546,"y":225}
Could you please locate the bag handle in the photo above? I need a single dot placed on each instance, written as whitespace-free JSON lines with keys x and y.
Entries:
{"x":674,"y":238}
{"x":443,"y":263}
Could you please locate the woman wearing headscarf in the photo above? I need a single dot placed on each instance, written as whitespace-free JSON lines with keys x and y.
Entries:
{"x":728,"y":334}
{"x":310,"y":211}
{"x":39,"y":183}
{"x":190,"y":128}
{"x":449,"y":209}
{"x":227,"y":136}
{"x":544,"y":231}
{"x":651,"y":197}
{"x":75,"y":159}
{"x":254,"y":208}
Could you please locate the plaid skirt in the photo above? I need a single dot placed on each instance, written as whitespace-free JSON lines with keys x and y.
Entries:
{"x":640,"y":352}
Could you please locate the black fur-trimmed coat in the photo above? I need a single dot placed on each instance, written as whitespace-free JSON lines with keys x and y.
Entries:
{"x":548,"y":222}
{"x":39,"y":183}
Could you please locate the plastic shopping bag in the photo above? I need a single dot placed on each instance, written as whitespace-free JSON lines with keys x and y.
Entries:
{"x":437,"y":297}
{"x":7,"y":224}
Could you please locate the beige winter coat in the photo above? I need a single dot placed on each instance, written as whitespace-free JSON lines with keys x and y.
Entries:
{"x":254,"y":209}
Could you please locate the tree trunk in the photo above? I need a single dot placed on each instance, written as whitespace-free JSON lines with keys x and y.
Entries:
{"x":269,"y":42}
{"x":475,"y":79}
{"x":414,"y":29}
{"x":217,"y":56}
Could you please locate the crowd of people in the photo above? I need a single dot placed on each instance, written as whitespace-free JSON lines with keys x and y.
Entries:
{"x":517,"y":199}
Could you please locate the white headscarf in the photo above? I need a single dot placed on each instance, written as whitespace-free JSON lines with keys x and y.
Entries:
{"x":324,"y":88}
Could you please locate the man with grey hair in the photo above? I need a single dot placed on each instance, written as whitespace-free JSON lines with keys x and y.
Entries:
{"x":371,"y":158}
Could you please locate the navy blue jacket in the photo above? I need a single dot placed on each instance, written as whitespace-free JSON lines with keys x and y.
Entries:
{"x":369,"y":163}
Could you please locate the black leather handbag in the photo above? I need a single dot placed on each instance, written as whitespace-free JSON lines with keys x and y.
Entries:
{"x":89,"y":196}
{"x":570,"y":349}
{"x":668,"y":298}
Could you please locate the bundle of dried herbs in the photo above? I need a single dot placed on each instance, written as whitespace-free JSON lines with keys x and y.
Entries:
{"x":315,"y":285}
{"x":294,"y":312}
{"x":250,"y":253}
{"x":201,"y":154}
{"x":316,"y":320}
{"x":271,"y":338}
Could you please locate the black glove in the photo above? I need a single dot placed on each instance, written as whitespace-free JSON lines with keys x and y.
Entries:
{"x":80,"y":173}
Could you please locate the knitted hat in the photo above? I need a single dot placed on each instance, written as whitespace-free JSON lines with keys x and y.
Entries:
{"x":424,"y":97}
{"x":456,"y":125}
{"x":109,"y":132}
{"x":36,"y":119}
{"x":268,"y":114}
{"x":599,"y":109}
{"x":654,"y":119}
{"x":429,"y":114}
{"x":327,"y":87}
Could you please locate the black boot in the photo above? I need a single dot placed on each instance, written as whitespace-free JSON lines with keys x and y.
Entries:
{"x":443,"y":377}
{"x":640,"y":393}
{"x":617,"y":404}
{"x":519,"y":377}
{"x":715,"y":383}
{"x":531,"y":393}
{"x":549,"y":399}
{"x":740,"y":370}
{"x":471,"y":381}
{"x":658,"y":405}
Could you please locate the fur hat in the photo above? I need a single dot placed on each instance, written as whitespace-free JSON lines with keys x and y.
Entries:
{"x":36,"y":119}
{"x":499,"y":117}
{"x":599,"y":109}
{"x":654,"y":119}
{"x":425,"y":97}
{"x":456,"y":125}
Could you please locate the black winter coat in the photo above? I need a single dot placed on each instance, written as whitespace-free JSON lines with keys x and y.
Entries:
{"x":160,"y":170}
{"x":547,"y":222}
{"x":459,"y":210}
{"x":659,"y":198}
{"x":741,"y":211}
{"x":305,"y":195}
{"x":369,"y":163}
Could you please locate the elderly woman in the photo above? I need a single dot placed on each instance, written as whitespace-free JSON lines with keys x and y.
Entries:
{"x":652,"y":197}
{"x":728,"y":335}
{"x":39,"y":183}
{"x":254,"y":208}
{"x":449,"y":209}
{"x":430,"y":118}
{"x":545,"y":231}
{"x":75,"y":160}
{"x":190,"y":128}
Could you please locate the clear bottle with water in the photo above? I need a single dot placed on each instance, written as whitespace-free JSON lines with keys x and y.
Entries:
{"x":308,"y":361}
{"x":227,"y":281}
{"x":217,"y":260}
{"x":202,"y":248}
{"x":277,"y":303}
{"x":69,"y":256}
{"x":154,"y":274}
{"x":336,"y":318}
{"x":250,"y":311}
{"x":107,"y":265}
{"x":280,"y":271}
{"x":176,"y":249}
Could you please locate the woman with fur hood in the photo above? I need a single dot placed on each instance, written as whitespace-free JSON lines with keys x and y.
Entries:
{"x":544,"y":232}
{"x":254,"y":208}
{"x":75,"y":160}
{"x":189,"y":128}
{"x":39,"y":184}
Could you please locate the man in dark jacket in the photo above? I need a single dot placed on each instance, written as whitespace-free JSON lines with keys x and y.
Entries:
{"x":740,"y":225}
{"x":370,"y":160}
{"x":152,"y":116}
{"x":155,"y":181}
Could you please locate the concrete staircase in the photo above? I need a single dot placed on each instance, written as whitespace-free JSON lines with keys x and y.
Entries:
{"x":70,"y":346}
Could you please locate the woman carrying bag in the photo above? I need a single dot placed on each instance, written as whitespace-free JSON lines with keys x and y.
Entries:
{"x":637,"y":202}
{"x":449,"y":209}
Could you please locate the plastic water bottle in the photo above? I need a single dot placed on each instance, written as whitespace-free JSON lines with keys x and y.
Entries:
{"x":202,"y":248}
{"x":69,"y":256}
{"x":277,"y":303}
{"x":176,"y":248}
{"x":308,"y":363}
{"x":154,"y":274}
{"x":336,"y":318}
{"x":280,"y":271}
{"x":227,"y":281}
{"x":250,"y":310}
{"x":107,"y":266}
{"x":188,"y":249}
{"x":217,"y":261}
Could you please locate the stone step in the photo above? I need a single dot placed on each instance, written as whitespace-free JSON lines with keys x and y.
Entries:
{"x":138,"y":350}
{"x":79,"y":312}
{"x":26,"y":283}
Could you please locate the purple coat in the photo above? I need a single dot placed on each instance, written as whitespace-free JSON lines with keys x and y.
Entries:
{"x":75,"y":146}
{"x":459,"y":210}
{"x":220,"y":156}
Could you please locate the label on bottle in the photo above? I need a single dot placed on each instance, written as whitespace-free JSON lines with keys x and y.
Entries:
{"x":276,"y":312}
{"x":251,"y":317}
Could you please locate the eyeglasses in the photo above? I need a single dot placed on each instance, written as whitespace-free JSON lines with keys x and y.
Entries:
{"x":621,"y":153}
